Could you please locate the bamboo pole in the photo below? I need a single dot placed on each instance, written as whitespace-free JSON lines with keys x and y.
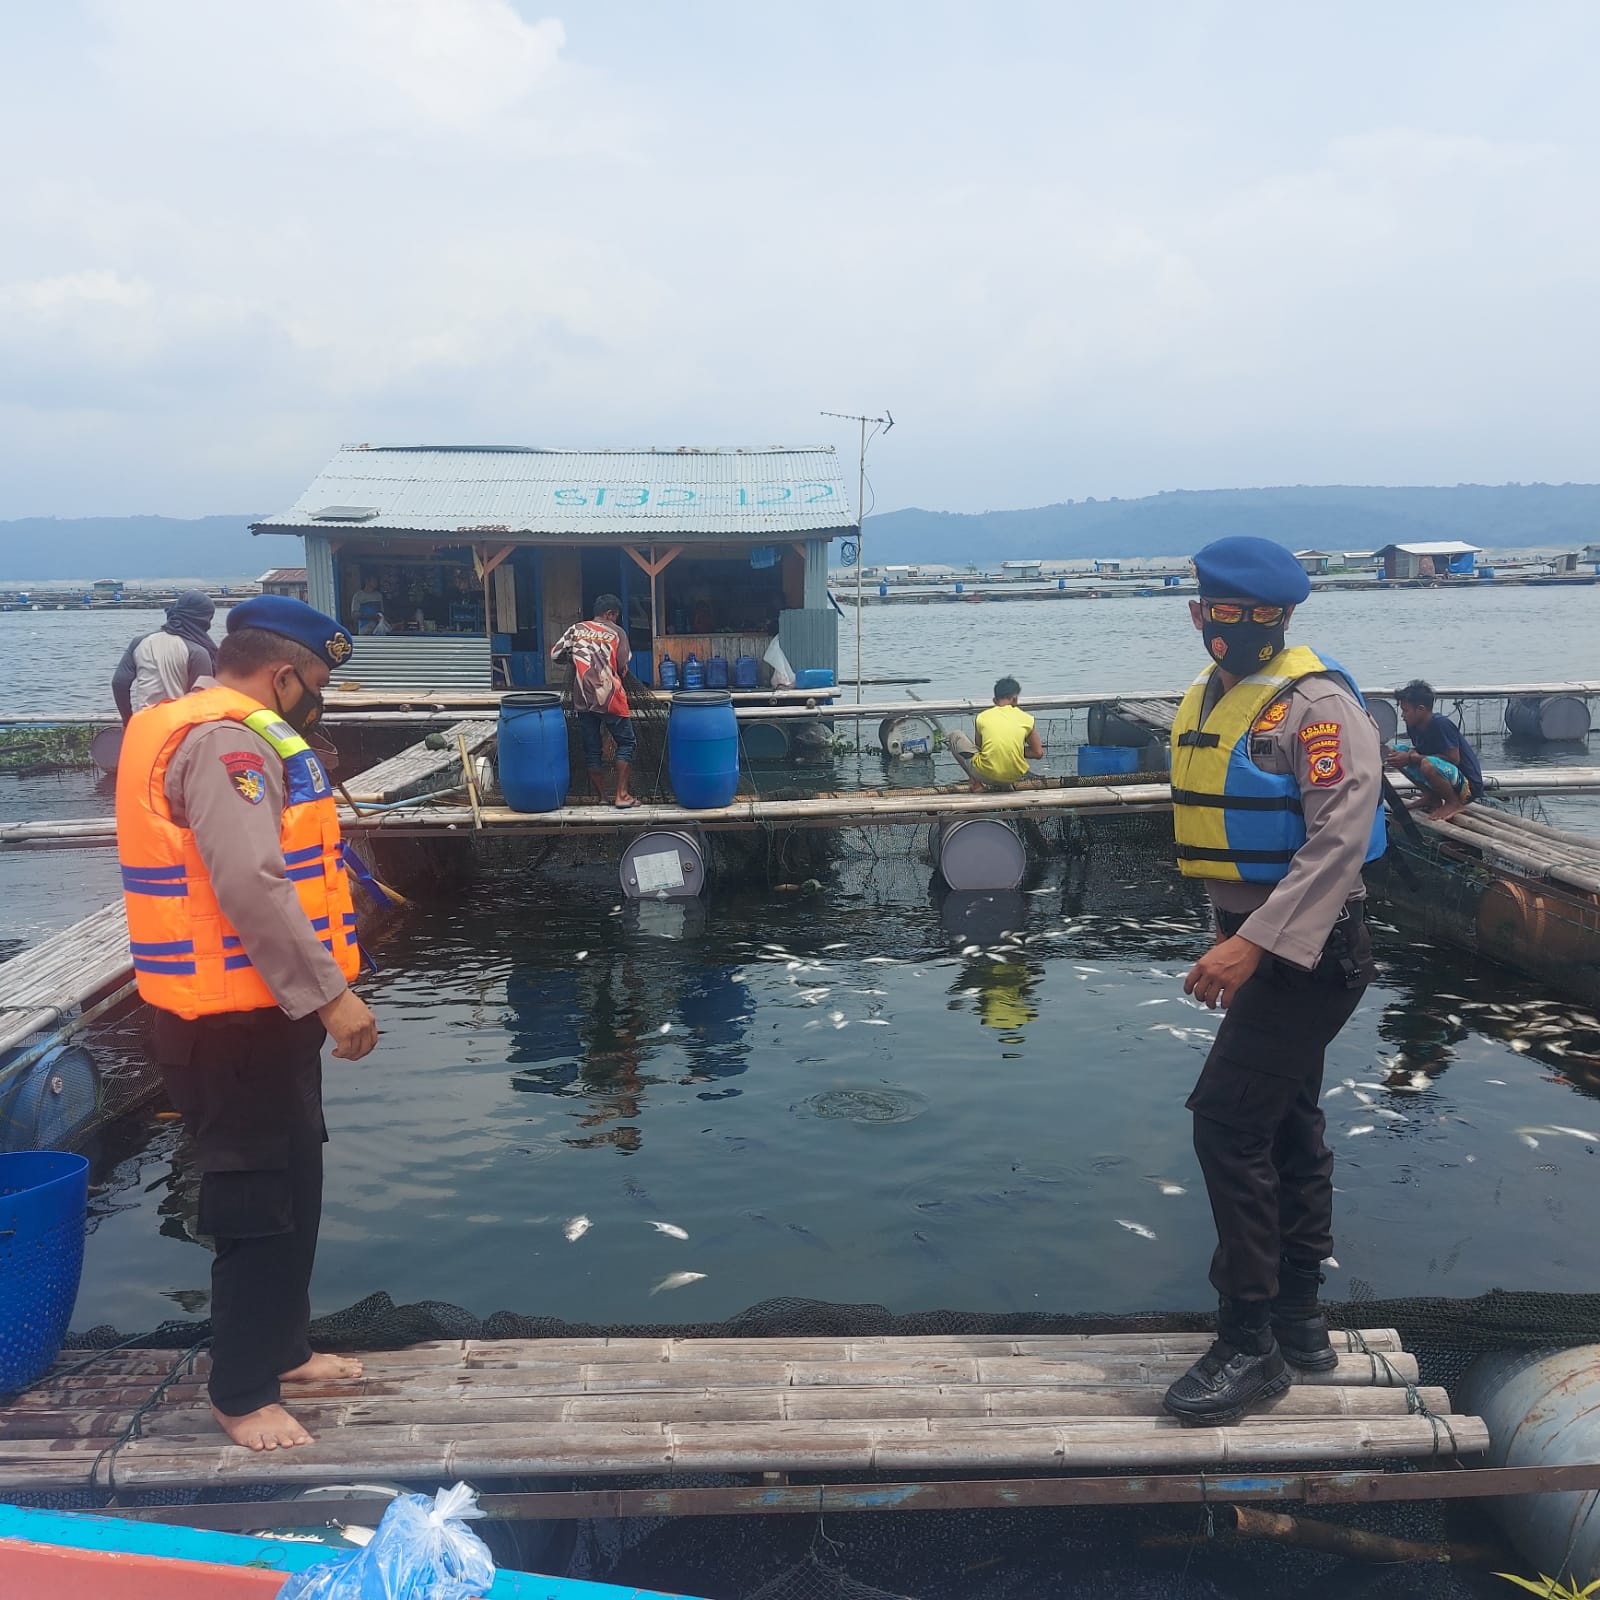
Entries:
{"x":1307,"y":1533}
{"x":1464,"y":829}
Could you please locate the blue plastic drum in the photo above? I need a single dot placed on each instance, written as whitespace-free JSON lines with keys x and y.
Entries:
{"x":703,"y":749}
{"x":534,"y":772}
{"x":44,"y":1198}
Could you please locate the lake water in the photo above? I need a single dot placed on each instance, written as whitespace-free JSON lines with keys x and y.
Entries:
{"x":938,"y":1128}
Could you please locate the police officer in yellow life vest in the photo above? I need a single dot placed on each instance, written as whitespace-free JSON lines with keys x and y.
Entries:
{"x":243,"y":939}
{"x":1277,"y":796}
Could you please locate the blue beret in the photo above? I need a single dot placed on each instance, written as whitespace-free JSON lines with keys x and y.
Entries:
{"x":294,"y":619}
{"x":1243,"y":568}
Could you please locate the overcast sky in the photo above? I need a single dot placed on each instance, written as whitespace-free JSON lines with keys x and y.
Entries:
{"x":1075,"y":248}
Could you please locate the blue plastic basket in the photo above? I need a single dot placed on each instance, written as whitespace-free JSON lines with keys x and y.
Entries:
{"x":44,"y":1197}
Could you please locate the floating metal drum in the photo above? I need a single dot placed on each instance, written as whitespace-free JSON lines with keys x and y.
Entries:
{"x":1386,"y":717}
{"x":1543,"y":1410}
{"x":105,"y":749}
{"x":764,"y":741}
{"x":906,"y":737}
{"x":663,"y":865}
{"x":979,"y":853}
{"x":1555,"y":716}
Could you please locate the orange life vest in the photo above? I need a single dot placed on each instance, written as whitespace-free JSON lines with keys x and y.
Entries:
{"x":187,"y":957}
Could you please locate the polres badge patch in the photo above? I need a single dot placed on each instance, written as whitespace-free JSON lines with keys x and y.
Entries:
{"x":247,"y":775}
{"x":1322,"y":741}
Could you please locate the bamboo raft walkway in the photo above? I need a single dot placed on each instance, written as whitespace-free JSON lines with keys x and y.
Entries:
{"x":351,"y":705}
{"x":418,"y":769}
{"x":845,"y":808}
{"x":139,"y":1419}
{"x":44,"y":985}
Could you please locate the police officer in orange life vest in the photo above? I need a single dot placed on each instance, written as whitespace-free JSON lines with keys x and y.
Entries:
{"x":1276,"y":790}
{"x":243,"y":938}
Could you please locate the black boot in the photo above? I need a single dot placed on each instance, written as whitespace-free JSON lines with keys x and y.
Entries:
{"x":1241,"y":1369}
{"x":1297,"y":1321}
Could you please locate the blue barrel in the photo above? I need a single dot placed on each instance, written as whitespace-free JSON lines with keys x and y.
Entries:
{"x":1061,"y":583}
{"x":534,"y":774}
{"x":814,"y":678}
{"x":883,"y":589}
{"x":958,"y":588}
{"x":44,"y":1197}
{"x":1100,"y":760}
{"x":747,"y":673}
{"x":717,"y":672}
{"x":703,"y":749}
{"x":667,"y":673}
{"x":694,"y":672}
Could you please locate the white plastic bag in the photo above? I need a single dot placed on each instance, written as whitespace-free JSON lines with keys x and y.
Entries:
{"x":782,"y":672}
{"x":423,"y":1550}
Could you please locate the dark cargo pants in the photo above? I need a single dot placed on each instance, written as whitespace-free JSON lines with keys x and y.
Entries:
{"x":1258,"y":1129}
{"x":248,"y":1085}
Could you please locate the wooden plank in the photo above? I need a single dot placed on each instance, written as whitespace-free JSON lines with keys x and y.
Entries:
{"x":190,"y":1417}
{"x":934,"y":1445}
{"x":1389,"y":1371}
{"x":491,"y":1354}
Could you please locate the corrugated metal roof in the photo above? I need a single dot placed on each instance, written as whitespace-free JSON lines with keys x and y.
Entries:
{"x":1435,"y":547}
{"x":487,"y":492}
{"x":283,"y":575}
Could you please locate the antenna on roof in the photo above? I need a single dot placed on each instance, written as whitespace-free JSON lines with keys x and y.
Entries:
{"x":880,"y":425}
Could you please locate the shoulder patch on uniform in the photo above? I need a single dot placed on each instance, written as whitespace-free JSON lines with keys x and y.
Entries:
{"x":247,"y":773}
{"x":1322,"y":740}
{"x":1272,"y":717}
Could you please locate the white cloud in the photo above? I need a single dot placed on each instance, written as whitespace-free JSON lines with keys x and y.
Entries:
{"x":320,"y":69}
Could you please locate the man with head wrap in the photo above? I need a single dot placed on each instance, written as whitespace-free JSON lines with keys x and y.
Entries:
{"x":166,"y":664}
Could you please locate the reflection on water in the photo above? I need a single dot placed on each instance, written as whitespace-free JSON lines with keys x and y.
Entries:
{"x":876,"y":1094}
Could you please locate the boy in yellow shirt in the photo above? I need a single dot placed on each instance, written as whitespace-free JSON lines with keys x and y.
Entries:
{"x":1006,"y":739}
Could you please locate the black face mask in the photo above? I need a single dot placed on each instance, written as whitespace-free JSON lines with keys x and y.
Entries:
{"x":1242,"y":647}
{"x":307,"y":712}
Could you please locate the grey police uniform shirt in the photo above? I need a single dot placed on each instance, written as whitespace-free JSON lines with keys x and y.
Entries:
{"x":1328,"y":743}
{"x":241,"y":845}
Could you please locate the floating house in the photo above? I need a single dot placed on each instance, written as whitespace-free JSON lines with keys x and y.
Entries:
{"x":1315,"y":562}
{"x":290,"y":581}
{"x":1021,"y":569}
{"x":461,"y":565}
{"x":1431,"y":559}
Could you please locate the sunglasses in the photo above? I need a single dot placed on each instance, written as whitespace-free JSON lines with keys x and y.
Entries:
{"x":1228,"y":612}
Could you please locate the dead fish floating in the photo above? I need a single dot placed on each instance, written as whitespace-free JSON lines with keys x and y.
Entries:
{"x":1167,"y":1186}
{"x":576,"y":1229}
{"x":1136,"y":1227}
{"x":671,"y":1229}
{"x":678,"y":1280}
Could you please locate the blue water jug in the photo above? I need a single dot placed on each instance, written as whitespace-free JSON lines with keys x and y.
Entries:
{"x":703,"y":749}
{"x":667,"y":673}
{"x":717,"y":672}
{"x":747,"y":673}
{"x":534,"y":773}
{"x":694,"y":672}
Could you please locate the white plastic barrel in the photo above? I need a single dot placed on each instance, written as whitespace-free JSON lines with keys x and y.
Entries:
{"x":1543,"y":1410}
{"x":906,"y":736}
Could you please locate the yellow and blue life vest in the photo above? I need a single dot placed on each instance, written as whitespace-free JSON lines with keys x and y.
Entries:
{"x":1231,"y":819}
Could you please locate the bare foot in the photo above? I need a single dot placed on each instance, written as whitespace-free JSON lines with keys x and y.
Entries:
{"x":270,"y":1428}
{"x":320,"y":1368}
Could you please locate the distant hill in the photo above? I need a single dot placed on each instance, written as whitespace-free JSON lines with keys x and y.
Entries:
{"x":1334,"y":518}
{"x":1303,"y":518}
{"x":41,"y":549}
